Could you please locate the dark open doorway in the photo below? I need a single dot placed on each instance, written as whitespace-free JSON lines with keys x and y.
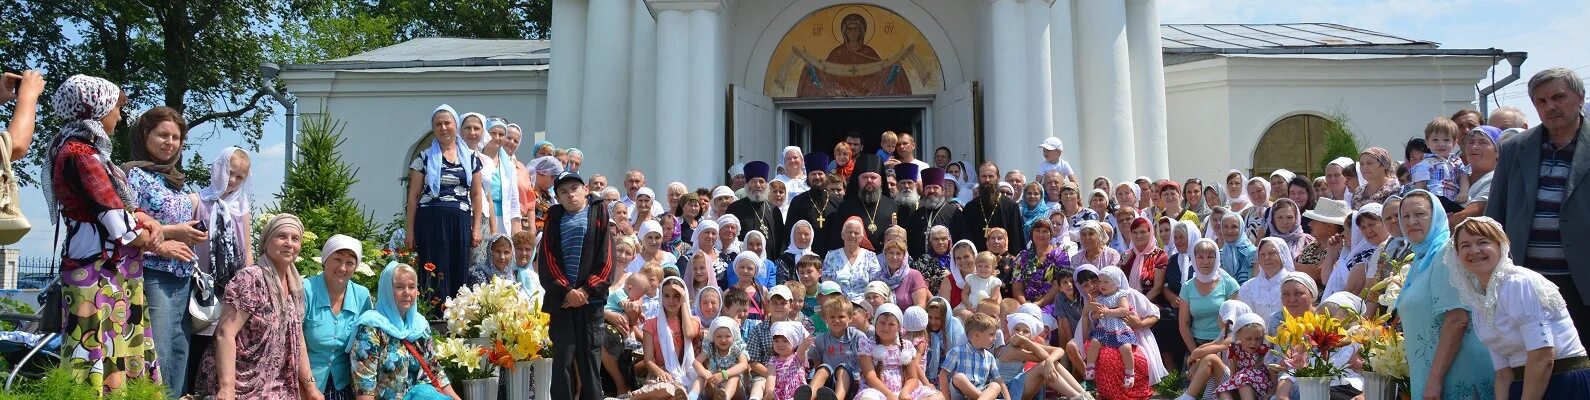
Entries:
{"x":821,"y":129}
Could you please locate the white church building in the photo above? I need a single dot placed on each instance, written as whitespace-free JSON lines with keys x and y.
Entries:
{"x":685,"y":88}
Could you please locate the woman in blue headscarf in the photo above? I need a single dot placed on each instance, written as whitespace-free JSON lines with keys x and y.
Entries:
{"x":1445,"y":358}
{"x":393,"y":357}
{"x":1236,"y":251}
{"x":446,"y":196}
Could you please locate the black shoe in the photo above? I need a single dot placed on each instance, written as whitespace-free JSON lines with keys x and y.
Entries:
{"x":826,"y":394}
{"x":803,"y":393}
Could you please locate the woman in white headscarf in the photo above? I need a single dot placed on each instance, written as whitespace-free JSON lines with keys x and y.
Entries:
{"x":1256,"y":217}
{"x":792,"y":171}
{"x":801,"y":237}
{"x":1236,"y":193}
{"x":704,"y":241}
{"x":729,"y":234}
{"x":651,"y":248}
{"x":1110,"y":371}
{"x":1367,"y":232}
{"x":1520,"y":316}
{"x":448,"y":204}
{"x":670,"y":345}
{"x":1263,"y":290}
{"x":1278,"y":181}
{"x":766,"y":272}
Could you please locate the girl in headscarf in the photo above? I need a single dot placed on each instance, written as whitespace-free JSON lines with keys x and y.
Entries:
{"x":1429,"y":301}
{"x":1031,"y":279}
{"x":224,"y":207}
{"x":935,"y":264}
{"x":1256,"y":216}
{"x":746,"y":266}
{"x":670,"y":345}
{"x":447,"y":204}
{"x":499,"y":262}
{"x":705,"y":243}
{"x":800,"y":244}
{"x":1286,"y":223}
{"x":259,"y":347}
{"x":394,"y":354}
{"x":766,"y":272}
{"x":101,"y":275}
{"x":942,"y":336}
{"x":1263,"y":290}
{"x":1236,"y":254}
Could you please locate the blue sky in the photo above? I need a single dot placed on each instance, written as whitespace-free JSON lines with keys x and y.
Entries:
{"x":1551,"y":31}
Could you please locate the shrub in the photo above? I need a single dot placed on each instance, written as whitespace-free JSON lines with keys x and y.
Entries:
{"x":1340,"y":140}
{"x":316,"y":190}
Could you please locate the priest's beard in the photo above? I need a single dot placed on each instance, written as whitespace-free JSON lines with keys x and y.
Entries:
{"x":987,"y":191}
{"x":908,"y":198}
{"x":933,"y":202}
{"x":873,"y":195}
{"x":757,"y":197}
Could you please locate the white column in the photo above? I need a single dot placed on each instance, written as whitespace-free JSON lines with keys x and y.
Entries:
{"x":673,"y":78}
{"x":1040,"y":100}
{"x":1007,"y":134}
{"x":643,"y":91}
{"x":604,"y":112}
{"x":1148,"y":88}
{"x":705,"y":160}
{"x":564,"y":82}
{"x":1105,"y":81}
{"x":1063,"y":80}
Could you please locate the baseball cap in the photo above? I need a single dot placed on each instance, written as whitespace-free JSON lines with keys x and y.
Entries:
{"x":567,"y":176}
{"x":780,"y":290}
{"x":1052,"y":143}
{"x":828,"y":287}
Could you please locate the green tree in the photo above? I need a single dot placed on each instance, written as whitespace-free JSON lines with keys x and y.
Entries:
{"x":321,"y":30}
{"x":316,"y":188}
{"x":1340,"y":139}
{"x":200,"y":57}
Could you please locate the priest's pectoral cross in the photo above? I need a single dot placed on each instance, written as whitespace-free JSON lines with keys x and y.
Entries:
{"x":820,"y":220}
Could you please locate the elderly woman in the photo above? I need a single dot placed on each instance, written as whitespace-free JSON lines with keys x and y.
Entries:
{"x":1327,"y":223}
{"x":1377,"y":177}
{"x":1367,"y":232}
{"x":1202,"y":295}
{"x":155,"y":177}
{"x":1236,"y":251}
{"x":1480,"y":155}
{"x":1298,"y":295}
{"x":1395,"y":247}
{"x":1093,"y":250}
{"x":102,"y":256}
{"x":851,"y":266}
{"x":651,"y":241}
{"x":1256,"y":217}
{"x":545,"y":170}
{"x":394,"y":357}
{"x":1522,"y":317}
{"x":1278,"y":181}
{"x":1032,"y":279}
{"x":259,"y":346}
{"x":1071,"y":207}
{"x":1262,"y":292}
{"x":332,"y":307}
{"x":800,"y":245}
{"x":935,"y":264}
{"x":445,"y":195}
{"x":792,"y":171}
{"x":998,"y":243}
{"x":909,"y":287}
{"x":1445,"y":357}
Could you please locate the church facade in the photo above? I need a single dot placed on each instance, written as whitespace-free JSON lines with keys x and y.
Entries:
{"x":683,"y":89}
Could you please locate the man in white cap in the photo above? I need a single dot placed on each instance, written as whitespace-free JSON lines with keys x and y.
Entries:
{"x":1052,"y":149}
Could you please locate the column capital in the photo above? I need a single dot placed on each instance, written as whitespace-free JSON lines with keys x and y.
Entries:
{"x":657,"y":6}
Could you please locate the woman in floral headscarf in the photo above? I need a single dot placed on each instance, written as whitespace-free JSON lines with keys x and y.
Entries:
{"x":102,"y":256}
{"x":259,"y":348}
{"x":1377,"y":177}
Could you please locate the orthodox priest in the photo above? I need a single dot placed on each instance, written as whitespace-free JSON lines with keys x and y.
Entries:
{"x":992,"y":209}
{"x":815,"y":206}
{"x":865,"y":200}
{"x":755,"y":212}
{"x":906,"y":194}
{"x":933,"y":209}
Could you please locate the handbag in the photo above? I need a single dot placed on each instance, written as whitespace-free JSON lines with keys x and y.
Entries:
{"x":204,"y":305}
{"x":13,"y":225}
{"x":432,"y":391}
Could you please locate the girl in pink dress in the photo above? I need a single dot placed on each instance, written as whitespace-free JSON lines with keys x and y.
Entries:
{"x":1249,"y":377}
{"x":888,"y":363}
{"x":790,"y":343}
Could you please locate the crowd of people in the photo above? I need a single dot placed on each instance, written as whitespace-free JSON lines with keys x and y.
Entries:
{"x":862,"y":273}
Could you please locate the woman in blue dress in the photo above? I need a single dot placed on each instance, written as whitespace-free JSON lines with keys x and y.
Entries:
{"x":1445,"y":358}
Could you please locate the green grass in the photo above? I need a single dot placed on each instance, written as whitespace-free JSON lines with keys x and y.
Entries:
{"x":59,"y":384}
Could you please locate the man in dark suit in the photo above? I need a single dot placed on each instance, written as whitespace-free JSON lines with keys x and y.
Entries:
{"x":575,"y":272}
{"x":1535,"y":193}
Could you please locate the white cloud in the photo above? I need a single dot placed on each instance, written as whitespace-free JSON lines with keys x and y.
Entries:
{"x":275,"y":151}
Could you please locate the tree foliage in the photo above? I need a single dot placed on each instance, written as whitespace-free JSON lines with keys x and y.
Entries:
{"x":316,"y":189}
{"x":1340,"y":139}
{"x":328,"y":29}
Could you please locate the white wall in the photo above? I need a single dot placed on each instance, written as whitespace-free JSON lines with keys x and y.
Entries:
{"x":387,"y":113}
{"x":1219,"y":108}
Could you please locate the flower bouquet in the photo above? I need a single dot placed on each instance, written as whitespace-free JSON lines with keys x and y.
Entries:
{"x":462,"y":361}
{"x":1385,"y":359}
{"x":1307,"y":342}
{"x":1386,"y":292}
{"x":480,"y":311}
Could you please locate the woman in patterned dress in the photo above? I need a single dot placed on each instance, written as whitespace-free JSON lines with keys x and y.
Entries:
{"x":1446,"y":363}
{"x":886,"y":361}
{"x":445,"y":196}
{"x":1033,"y":276}
{"x":935,"y":265}
{"x":107,"y":328}
{"x":259,"y":348}
{"x":393,"y":350}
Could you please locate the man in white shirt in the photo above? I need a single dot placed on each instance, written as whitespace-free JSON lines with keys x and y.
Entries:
{"x":634,"y":180}
{"x":905,"y":152}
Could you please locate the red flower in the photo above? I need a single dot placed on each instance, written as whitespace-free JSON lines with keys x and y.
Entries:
{"x":430,"y":267}
{"x":386,"y":252}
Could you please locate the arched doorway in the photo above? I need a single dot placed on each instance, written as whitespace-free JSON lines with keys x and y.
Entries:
{"x":1295,"y":143}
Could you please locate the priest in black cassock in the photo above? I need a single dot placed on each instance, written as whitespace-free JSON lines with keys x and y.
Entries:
{"x":815,"y":206}
{"x":865,"y":199}
{"x":906,"y":194}
{"x":755,"y":212}
{"x":992,"y":209}
{"x":933,"y":209}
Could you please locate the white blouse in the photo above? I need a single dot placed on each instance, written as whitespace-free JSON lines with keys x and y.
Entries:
{"x":1523,"y":324}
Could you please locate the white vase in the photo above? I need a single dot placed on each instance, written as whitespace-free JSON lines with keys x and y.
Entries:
{"x":543,"y":378}
{"x":477,"y":389}
{"x":1379,"y":387}
{"x":1312,"y":388}
{"x":518,"y":382}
